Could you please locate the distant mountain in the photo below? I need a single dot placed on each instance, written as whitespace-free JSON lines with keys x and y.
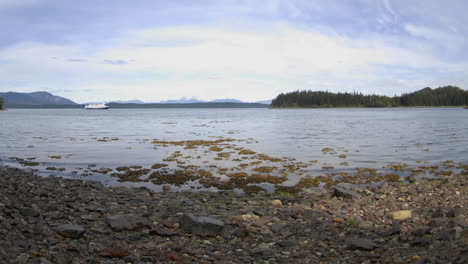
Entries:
{"x":182,"y":100}
{"x":267,"y":102}
{"x":129,"y":102}
{"x":194,"y":100}
{"x":226,"y":101}
{"x":12,"y":99}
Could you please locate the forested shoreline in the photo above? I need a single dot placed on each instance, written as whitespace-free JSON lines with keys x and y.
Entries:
{"x":442,"y":96}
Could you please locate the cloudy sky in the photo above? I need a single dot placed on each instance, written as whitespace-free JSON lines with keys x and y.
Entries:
{"x":152,"y":50}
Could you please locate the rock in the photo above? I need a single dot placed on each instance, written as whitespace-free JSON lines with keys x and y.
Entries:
{"x":287,"y":243}
{"x":366,"y":224}
{"x":456,"y":232}
{"x":276,"y":203}
{"x":277,"y":227}
{"x":264,"y":249}
{"x":116,"y":252}
{"x":341,"y":192}
{"x":420,"y":242}
{"x":249,"y":217}
{"x":70,"y":231}
{"x":455,"y":212}
{"x":437,"y":222}
{"x":173,"y":256}
{"x":201,"y":225}
{"x":29,"y":212}
{"x":166,"y":188}
{"x":422,"y":231}
{"x":130,"y":222}
{"x":163,"y":231}
{"x":338,"y":220}
{"x":396,"y":228}
{"x":360,"y":243}
{"x":411,"y":179}
{"x":401,"y":215}
{"x":437,"y":213}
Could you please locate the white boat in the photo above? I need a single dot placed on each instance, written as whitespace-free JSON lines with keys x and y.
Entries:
{"x":96,"y":107}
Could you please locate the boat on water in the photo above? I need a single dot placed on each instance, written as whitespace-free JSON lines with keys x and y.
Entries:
{"x":466,"y":107}
{"x":96,"y":107}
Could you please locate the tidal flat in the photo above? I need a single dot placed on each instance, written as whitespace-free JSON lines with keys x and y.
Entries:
{"x":222,"y":164}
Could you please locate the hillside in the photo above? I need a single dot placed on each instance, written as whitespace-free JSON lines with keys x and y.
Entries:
{"x":12,"y":99}
{"x":442,"y":96}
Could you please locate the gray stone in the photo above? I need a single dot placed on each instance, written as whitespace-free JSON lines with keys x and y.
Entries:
{"x":130,"y":222}
{"x":201,"y":225}
{"x":396,"y":228}
{"x":28,"y":211}
{"x":287,"y":243}
{"x":70,"y":231}
{"x":360,"y":243}
{"x":277,"y":227}
{"x":341,"y":192}
{"x":420,"y":242}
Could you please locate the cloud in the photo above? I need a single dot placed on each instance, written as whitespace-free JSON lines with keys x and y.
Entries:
{"x":17,"y":3}
{"x":77,"y":60}
{"x":452,"y":41}
{"x":116,"y":62}
{"x":236,"y":49}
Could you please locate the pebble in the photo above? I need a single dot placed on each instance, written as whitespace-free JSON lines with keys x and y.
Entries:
{"x":401,"y":215}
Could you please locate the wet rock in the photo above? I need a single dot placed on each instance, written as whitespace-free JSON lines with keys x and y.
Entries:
{"x":129,"y":222}
{"x":201,"y":225}
{"x":411,"y":179}
{"x":401,"y":215}
{"x":166,"y":188}
{"x":341,"y":192}
{"x":360,"y":243}
{"x":70,"y":231}
{"x":116,"y":252}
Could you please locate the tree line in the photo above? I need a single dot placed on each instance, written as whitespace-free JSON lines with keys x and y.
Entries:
{"x":442,"y":96}
{"x":1,"y":102}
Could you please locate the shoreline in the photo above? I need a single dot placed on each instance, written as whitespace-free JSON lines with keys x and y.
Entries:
{"x":62,"y":220}
{"x":364,"y":107}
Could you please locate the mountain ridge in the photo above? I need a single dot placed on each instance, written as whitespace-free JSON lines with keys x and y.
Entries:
{"x":34,"y":98}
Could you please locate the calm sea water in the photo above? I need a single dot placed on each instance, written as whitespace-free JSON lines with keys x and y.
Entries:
{"x":371,"y":138}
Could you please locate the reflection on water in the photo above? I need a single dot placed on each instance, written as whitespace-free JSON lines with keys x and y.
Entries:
{"x":79,"y":143}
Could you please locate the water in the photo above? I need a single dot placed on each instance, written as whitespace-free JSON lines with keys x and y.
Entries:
{"x":370,"y":138}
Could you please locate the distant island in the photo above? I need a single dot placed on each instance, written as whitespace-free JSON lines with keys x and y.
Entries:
{"x":47,"y":100}
{"x":442,"y":96}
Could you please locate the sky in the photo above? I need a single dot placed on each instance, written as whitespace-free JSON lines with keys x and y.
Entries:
{"x":251,"y":50}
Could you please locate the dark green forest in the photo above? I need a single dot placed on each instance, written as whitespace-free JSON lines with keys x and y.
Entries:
{"x":442,"y":96}
{"x":1,"y":102}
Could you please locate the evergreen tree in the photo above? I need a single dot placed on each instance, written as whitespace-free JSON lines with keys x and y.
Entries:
{"x":442,"y":96}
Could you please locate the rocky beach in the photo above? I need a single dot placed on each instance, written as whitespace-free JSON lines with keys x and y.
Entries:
{"x":56,"y":220}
